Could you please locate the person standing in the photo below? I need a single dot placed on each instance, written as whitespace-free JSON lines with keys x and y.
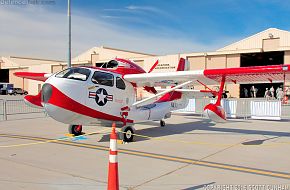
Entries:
{"x":277,"y":90}
{"x":272,"y":90}
{"x":280,"y":94}
{"x":253,"y":91}
{"x":246,"y":93}
{"x":267,"y":94}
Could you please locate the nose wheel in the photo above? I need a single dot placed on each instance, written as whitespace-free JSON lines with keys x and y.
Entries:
{"x":75,"y":129}
{"x":127,"y":134}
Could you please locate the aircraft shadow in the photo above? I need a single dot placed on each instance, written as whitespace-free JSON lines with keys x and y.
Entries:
{"x":258,"y":142}
{"x":169,"y":129}
{"x":190,"y":127}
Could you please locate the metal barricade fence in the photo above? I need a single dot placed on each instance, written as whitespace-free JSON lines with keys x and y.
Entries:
{"x":195,"y":106}
{"x":266,"y":109}
{"x":19,"y":107}
{"x":241,"y":107}
{"x":234,"y":107}
{"x":2,"y":109}
{"x":16,"y":107}
{"x":200,"y":104}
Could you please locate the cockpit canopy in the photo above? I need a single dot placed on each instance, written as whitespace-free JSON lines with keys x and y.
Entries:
{"x":75,"y":73}
{"x":121,"y":66}
{"x":111,"y":64}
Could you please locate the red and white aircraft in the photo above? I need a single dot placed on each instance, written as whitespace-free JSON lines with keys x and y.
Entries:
{"x":99,"y":96}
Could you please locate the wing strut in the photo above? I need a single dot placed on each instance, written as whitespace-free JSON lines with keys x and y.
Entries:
{"x":146,"y":100}
{"x":212,"y":91}
{"x":220,"y":94}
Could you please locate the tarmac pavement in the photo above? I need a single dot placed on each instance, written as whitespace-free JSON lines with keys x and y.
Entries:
{"x":188,"y":153}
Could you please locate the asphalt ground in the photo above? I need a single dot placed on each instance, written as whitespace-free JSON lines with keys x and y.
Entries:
{"x":188,"y":153}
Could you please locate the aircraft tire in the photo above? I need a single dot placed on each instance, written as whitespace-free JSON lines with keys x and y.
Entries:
{"x":162,"y":123}
{"x":127,"y":134}
{"x":75,"y":129}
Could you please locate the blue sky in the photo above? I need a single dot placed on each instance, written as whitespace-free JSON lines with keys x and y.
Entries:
{"x":160,"y":26}
{"x":202,"y":20}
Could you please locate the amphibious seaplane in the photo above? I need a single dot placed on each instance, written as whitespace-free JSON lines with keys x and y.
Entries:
{"x":101,"y":95}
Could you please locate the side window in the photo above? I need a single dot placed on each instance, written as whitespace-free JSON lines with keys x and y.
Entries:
{"x":102,"y":78}
{"x":120,"y":83}
{"x":75,"y":73}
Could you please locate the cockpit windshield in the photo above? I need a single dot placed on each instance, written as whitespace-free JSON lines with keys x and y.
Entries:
{"x":75,"y":74}
{"x":111,"y":64}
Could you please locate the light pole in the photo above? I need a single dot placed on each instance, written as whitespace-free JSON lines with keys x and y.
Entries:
{"x":69,"y":33}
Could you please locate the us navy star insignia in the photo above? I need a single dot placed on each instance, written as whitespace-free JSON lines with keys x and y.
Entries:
{"x":101,"y":96}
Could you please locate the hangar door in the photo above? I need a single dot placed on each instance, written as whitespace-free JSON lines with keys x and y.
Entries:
{"x":4,"y":75}
{"x":260,"y":59}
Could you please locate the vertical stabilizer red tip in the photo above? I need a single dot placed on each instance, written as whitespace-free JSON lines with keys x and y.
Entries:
{"x":181,"y":65}
{"x":153,"y":67}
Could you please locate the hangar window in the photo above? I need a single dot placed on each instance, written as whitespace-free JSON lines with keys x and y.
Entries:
{"x":75,"y":74}
{"x":120,"y":83}
{"x":102,"y":78}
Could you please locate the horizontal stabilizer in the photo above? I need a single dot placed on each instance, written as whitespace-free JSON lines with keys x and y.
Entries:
{"x":33,"y":101}
{"x":33,"y":76}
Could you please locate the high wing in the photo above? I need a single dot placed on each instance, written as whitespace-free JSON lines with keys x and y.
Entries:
{"x":241,"y":75}
{"x":33,"y":76}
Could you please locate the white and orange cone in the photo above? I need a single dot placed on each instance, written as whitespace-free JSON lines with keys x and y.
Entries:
{"x":113,"y":177}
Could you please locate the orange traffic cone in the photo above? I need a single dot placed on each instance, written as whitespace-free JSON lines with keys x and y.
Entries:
{"x":113,"y":177}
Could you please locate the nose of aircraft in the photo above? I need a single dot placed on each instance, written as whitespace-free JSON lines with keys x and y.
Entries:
{"x":46,"y":92}
{"x":57,"y":105}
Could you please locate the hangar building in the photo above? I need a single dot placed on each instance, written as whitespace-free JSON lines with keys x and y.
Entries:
{"x":269,"y":47}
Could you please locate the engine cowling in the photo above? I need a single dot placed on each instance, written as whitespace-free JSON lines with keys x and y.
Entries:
{"x":215,"y":112}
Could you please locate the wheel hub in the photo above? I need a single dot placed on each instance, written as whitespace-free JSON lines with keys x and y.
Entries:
{"x":78,"y":128}
{"x":128,"y":134}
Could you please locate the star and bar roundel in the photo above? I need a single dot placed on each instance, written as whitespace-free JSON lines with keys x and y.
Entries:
{"x":101,"y":96}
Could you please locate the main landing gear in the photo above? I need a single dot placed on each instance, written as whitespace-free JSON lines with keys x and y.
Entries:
{"x":127,"y":134}
{"x":162,"y":123}
{"x":75,"y":129}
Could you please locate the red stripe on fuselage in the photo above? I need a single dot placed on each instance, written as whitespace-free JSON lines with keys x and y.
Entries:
{"x":61,"y":100}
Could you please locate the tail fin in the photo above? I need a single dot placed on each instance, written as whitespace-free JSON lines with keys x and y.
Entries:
{"x":182,"y":65}
{"x":153,"y":67}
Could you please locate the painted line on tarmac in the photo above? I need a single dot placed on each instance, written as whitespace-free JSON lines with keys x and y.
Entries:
{"x":160,"y":156}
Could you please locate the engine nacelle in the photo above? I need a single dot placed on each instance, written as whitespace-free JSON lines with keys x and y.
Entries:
{"x":215,"y":113}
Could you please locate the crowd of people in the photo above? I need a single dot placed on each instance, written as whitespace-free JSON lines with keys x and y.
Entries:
{"x":269,"y":94}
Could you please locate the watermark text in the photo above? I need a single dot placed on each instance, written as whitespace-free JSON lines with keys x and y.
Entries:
{"x":27,"y":2}
{"x":247,"y":187}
